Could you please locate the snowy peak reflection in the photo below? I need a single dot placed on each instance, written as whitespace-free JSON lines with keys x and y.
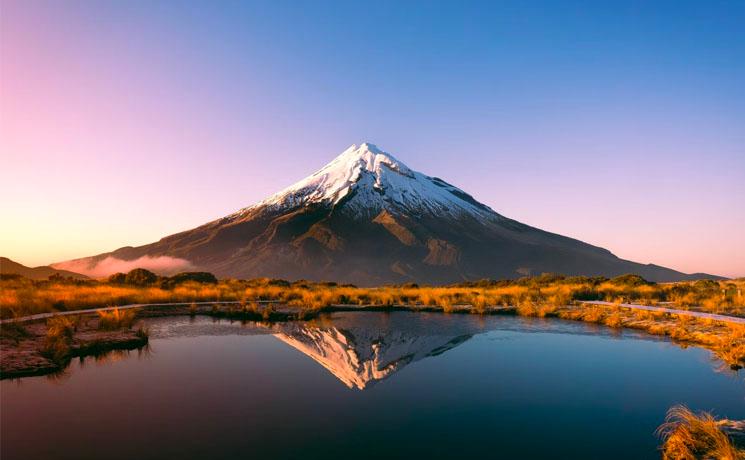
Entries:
{"x":362,"y":349}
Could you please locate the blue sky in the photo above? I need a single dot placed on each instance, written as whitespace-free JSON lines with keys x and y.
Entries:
{"x":618,"y":123}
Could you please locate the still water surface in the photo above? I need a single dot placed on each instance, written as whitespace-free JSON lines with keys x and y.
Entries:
{"x":367,"y":385}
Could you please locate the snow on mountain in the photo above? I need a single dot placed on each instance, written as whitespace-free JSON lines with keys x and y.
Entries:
{"x":368,"y":180}
{"x":368,"y":219}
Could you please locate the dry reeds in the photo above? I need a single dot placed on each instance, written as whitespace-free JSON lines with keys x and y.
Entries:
{"x":543,"y":296}
{"x":23,"y":297}
{"x":110,"y":320}
{"x":689,"y":436}
{"x":60,"y":332}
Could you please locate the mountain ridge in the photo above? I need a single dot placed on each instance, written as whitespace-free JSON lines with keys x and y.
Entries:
{"x":8,"y":267}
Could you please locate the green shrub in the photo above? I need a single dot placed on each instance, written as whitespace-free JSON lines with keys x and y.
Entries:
{"x":117,"y":278}
{"x":198,"y":277}
{"x":140,"y":277}
{"x":630,"y":280}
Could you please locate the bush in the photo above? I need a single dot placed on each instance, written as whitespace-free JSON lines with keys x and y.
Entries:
{"x":630,"y":280}
{"x":199,"y":277}
{"x":140,"y":277}
{"x":706,"y":285}
{"x":117,"y":278}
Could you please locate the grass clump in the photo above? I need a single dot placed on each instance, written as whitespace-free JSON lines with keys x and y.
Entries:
{"x":62,"y":326}
{"x":59,"y":337}
{"x":688,"y":436}
{"x":266,"y":315}
{"x":111,"y":320}
{"x":142,"y":332}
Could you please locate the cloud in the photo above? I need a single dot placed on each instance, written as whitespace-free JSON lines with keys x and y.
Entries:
{"x":162,"y":265}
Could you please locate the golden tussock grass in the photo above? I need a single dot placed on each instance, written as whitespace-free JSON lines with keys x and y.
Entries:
{"x":543,"y":296}
{"x":110,"y":320}
{"x":59,"y":335}
{"x":689,"y":436}
{"x":23,"y":297}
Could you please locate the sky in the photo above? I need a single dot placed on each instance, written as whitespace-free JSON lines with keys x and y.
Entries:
{"x":621,"y":124}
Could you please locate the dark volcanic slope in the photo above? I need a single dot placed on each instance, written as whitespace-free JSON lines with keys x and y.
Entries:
{"x":366,"y":218}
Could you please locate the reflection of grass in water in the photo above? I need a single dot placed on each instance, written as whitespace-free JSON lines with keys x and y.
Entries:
{"x":58,"y":376}
{"x":103,"y":358}
{"x":687,"y":435}
{"x":114,"y":356}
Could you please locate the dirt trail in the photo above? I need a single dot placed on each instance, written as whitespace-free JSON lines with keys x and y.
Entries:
{"x":696,"y":314}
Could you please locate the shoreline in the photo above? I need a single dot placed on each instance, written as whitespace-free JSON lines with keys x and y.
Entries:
{"x":464,"y":308}
{"x":35,"y":350}
{"x":723,"y":335}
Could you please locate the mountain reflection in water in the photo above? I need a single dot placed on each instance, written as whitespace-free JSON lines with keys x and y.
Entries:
{"x":212,"y":388}
{"x":361,"y":350}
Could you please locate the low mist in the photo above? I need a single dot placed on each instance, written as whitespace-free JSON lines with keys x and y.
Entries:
{"x":162,"y":265}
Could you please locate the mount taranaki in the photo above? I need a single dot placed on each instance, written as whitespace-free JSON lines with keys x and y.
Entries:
{"x":366,"y":218}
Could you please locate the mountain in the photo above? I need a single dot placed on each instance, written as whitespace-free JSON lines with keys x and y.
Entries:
{"x":8,"y":267}
{"x":367,"y":218}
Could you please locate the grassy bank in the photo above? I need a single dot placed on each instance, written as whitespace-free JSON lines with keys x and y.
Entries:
{"x":48,"y":347}
{"x":543,"y":296}
{"x":20,"y":296}
{"x":726,"y":340}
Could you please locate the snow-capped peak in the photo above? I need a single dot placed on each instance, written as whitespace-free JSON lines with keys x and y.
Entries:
{"x":370,"y":158}
{"x":372,"y":180}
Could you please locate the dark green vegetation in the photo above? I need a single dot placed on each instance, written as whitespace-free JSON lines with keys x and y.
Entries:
{"x":142,"y":277}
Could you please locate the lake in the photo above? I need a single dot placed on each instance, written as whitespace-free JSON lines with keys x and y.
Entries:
{"x":367,"y":385}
